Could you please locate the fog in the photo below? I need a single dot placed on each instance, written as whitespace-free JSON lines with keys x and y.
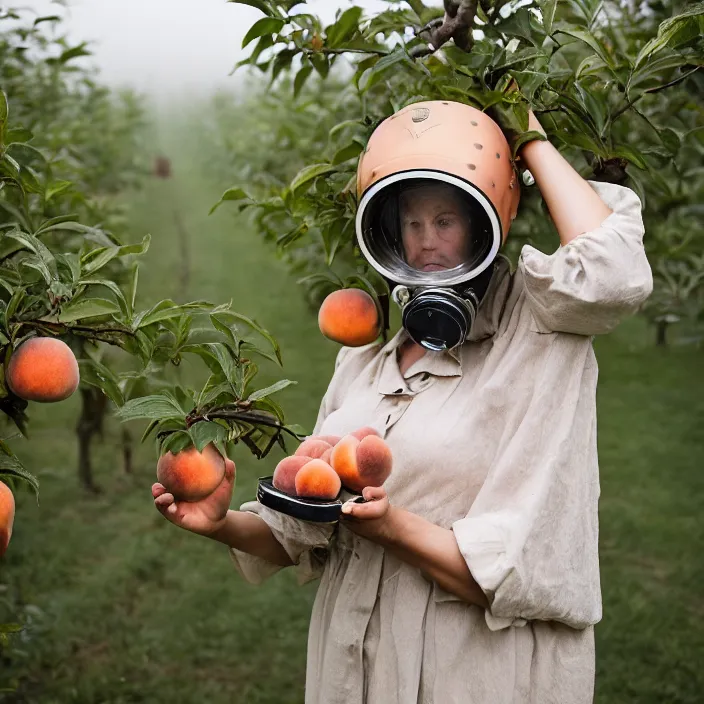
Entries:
{"x":168,"y":49}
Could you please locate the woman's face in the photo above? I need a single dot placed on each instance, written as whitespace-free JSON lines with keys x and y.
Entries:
{"x":434,"y":227}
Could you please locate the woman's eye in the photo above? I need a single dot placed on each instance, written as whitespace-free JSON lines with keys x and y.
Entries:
{"x":445,"y":222}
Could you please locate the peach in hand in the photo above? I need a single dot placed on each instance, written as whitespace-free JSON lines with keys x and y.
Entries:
{"x":191,"y":475}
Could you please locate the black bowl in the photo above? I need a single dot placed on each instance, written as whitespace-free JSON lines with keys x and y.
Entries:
{"x":315,"y":510}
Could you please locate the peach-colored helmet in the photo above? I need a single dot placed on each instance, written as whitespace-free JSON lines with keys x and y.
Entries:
{"x":449,"y":142}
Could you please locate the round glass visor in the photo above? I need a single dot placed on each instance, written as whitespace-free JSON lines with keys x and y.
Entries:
{"x":425,"y":228}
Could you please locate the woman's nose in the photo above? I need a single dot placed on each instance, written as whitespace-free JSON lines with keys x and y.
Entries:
{"x":428,"y":236}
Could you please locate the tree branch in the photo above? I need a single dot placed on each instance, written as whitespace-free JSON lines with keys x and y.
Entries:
{"x":457,"y":25}
{"x":656,"y":89}
{"x":253,"y":416}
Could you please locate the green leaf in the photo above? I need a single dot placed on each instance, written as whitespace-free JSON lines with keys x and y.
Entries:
{"x":47,"y":18}
{"x":87,"y":308}
{"x":16,"y":213}
{"x":321,"y":64}
{"x":18,"y":135}
{"x":292,"y":236}
{"x":258,"y":328}
{"x":99,"y":376}
{"x":377,"y":71}
{"x":340,"y":126}
{"x":547,"y":8}
{"x":176,"y":442}
{"x":165,"y":310}
{"x":308,"y":174}
{"x":4,"y":109}
{"x":133,"y":287}
{"x":35,"y":262}
{"x":259,"y":4}
{"x":205,"y":432}
{"x":157,"y":407}
{"x":97,"y":258}
{"x":56,"y":188}
{"x":228,"y":195}
{"x":10,"y":466}
{"x":301,"y":78}
{"x":667,"y":31}
{"x":670,"y":139}
{"x":36,"y":246}
{"x":266,"y":25}
{"x":112,"y":286}
{"x":589,"y":39}
{"x":351,"y":151}
{"x":344,"y":28}
{"x":14,"y":302}
{"x":633,"y":155}
{"x":11,"y":627}
{"x":212,"y":391}
{"x":74,"y":53}
{"x":52,"y":223}
{"x":263,"y":393}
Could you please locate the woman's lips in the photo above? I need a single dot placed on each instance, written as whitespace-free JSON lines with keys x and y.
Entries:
{"x":434,"y":267}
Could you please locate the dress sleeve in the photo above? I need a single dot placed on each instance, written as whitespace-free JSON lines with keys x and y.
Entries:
{"x":305,"y":542}
{"x":599,"y":278}
{"x":530,"y":538}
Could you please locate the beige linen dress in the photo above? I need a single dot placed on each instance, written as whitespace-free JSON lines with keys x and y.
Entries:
{"x":495,"y":441}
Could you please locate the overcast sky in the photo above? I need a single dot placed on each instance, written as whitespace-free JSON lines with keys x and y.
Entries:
{"x":168,"y":48}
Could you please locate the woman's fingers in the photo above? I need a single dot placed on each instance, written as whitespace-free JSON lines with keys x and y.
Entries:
{"x":373,"y":493}
{"x":164,"y":499}
{"x":229,"y":470}
{"x":376,"y":506}
{"x":158,"y":489}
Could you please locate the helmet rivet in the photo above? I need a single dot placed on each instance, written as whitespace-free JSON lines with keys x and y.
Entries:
{"x":498,"y":156}
{"x":471,"y":167}
{"x":473,"y":123}
{"x":478,"y":146}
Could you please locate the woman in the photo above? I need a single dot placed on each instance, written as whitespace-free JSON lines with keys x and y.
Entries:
{"x":472,"y":576}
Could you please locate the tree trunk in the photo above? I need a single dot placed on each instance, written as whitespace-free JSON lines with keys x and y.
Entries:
{"x":126,"y":451}
{"x":90,"y":422}
{"x":661,"y":333}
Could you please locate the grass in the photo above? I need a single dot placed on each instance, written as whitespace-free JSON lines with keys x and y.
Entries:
{"x":125,"y":608}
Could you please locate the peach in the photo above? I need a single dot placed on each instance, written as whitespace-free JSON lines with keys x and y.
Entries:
{"x":312,"y":447}
{"x":7,"y":516}
{"x":350,"y":316}
{"x":317,"y":480}
{"x":361,"y":463}
{"x":326,"y":455}
{"x":332,"y":440}
{"x":363,"y":432}
{"x":285,"y":473}
{"x":374,"y":461}
{"x":191,"y":475}
{"x":43,"y":369}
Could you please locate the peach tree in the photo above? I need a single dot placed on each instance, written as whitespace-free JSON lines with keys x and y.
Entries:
{"x":617,"y":86}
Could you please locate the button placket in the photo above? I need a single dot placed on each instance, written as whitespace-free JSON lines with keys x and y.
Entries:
{"x":395,"y":407}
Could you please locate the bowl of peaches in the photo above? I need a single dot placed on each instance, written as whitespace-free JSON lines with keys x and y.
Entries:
{"x":311,"y":483}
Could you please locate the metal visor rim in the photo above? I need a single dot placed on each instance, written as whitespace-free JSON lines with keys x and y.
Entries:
{"x":438,"y":278}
